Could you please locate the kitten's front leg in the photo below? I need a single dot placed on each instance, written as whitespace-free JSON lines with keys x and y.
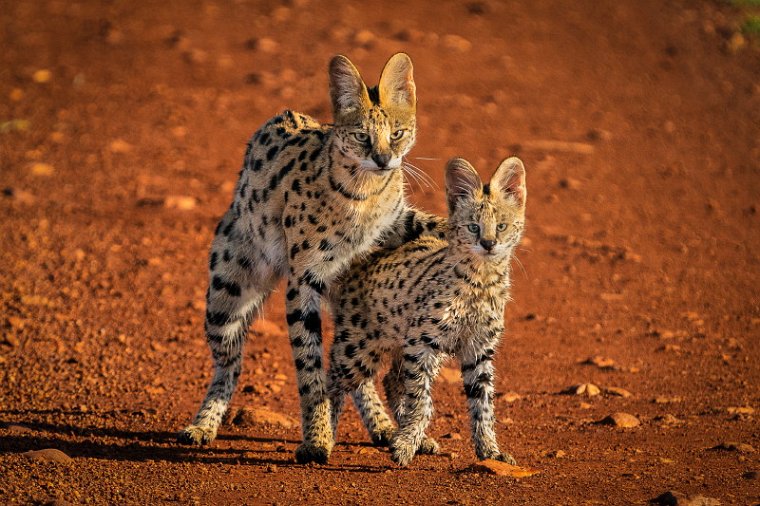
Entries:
{"x":305,"y":329}
{"x":420,"y":367}
{"x":477,"y":375}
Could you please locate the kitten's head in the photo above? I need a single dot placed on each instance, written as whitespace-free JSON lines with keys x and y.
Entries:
{"x":486,"y":220}
{"x":375,"y":127}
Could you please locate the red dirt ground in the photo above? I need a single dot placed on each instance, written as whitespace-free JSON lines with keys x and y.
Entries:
{"x":639,"y":124}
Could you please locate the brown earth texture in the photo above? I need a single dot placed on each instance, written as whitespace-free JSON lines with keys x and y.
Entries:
{"x":122,"y":129}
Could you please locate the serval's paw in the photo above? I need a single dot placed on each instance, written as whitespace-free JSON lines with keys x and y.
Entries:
{"x":306,"y":453}
{"x":505,"y":457}
{"x":383,"y":437}
{"x":196,"y":435}
{"x":402,"y":453}
{"x":428,"y":446}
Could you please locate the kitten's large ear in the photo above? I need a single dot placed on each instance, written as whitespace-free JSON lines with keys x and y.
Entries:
{"x":347,"y":90}
{"x":397,"y":83}
{"x":462,"y":181}
{"x":510,"y":180}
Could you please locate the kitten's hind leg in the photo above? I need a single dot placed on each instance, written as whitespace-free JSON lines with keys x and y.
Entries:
{"x":372,"y":413}
{"x":393,"y":383}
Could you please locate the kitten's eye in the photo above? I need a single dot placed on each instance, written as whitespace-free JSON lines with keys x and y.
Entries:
{"x":397,"y":135}
{"x":501,"y":227}
{"x":474,"y":228}
{"x":361,"y":136}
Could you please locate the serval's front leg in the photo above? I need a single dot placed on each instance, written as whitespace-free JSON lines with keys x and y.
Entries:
{"x":305,"y":329}
{"x":477,"y":375}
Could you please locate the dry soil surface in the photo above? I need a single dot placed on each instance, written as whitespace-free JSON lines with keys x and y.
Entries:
{"x":122,"y":129}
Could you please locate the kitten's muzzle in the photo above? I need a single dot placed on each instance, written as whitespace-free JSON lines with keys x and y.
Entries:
{"x":488,"y":244}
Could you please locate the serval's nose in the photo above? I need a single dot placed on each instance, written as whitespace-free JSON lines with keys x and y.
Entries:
{"x":487,"y":244}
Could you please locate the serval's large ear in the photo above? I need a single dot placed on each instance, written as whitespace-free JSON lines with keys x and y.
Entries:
{"x":347,"y":90}
{"x":462,"y":182}
{"x":509,"y":178}
{"x":397,"y":83}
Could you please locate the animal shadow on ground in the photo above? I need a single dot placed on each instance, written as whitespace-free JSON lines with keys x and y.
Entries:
{"x":138,"y":445}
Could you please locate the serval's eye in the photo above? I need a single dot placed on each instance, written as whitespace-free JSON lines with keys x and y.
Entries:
{"x":361,"y":136}
{"x":501,"y":227}
{"x":474,"y":228}
{"x":397,"y":135}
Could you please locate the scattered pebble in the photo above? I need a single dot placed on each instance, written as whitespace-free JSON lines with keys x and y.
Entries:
{"x":498,"y":468}
{"x":367,"y":450}
{"x":555,"y":454}
{"x":570,"y":183}
{"x":456,"y":43}
{"x":672,"y":498}
{"x":120,"y":146}
{"x":41,"y":169}
{"x":584,"y":389}
{"x":42,"y":76}
{"x":617,"y":392}
{"x":668,"y":420}
{"x":741,"y":410}
{"x":454,"y":436}
{"x":581,"y":148}
{"x":364,"y":38}
{"x":734,"y":447}
{"x":267,"y":327}
{"x":667,"y":400}
{"x":48,"y":455}
{"x":16,"y":94}
{"x":600,"y":362}
{"x":181,"y":202}
{"x":622,"y":420}
{"x":511,"y":397}
{"x":248,"y":417}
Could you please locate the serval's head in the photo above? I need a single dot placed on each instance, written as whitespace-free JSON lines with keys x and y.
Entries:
{"x":375,"y":127}
{"x":486,"y":220}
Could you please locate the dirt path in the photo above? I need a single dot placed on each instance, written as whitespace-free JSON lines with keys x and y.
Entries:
{"x":638,"y":123}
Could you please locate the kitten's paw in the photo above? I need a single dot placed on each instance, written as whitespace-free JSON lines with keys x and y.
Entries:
{"x":428,"y":446}
{"x":382,"y":437}
{"x":505,"y":457}
{"x":196,"y":435}
{"x":402,"y":453}
{"x":306,"y":453}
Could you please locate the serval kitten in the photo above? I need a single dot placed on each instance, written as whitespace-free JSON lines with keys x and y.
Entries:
{"x":425,"y":301}
{"x":310,"y":199}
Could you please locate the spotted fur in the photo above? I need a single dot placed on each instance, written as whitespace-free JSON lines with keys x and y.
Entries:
{"x":425,"y":301}
{"x":310,"y":199}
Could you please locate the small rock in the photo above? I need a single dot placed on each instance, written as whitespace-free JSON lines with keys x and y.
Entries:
{"x":456,"y":43}
{"x":584,"y":389}
{"x":450,"y":375}
{"x":668,"y":420}
{"x":10,"y":340}
{"x":667,"y":400}
{"x":454,"y":436}
{"x":511,"y":397}
{"x":41,"y":169}
{"x":617,"y":392}
{"x":271,"y":468}
{"x":490,"y":466}
{"x":16,"y":94}
{"x":120,"y":146}
{"x":555,"y":454}
{"x":367,"y":450}
{"x":20,"y":196}
{"x":734,"y":447}
{"x":598,"y":135}
{"x":622,"y":420}
{"x":48,"y":455}
{"x":671,"y":498}
{"x":600,"y":362}
{"x":247,"y":417}
{"x":364,"y":38}
{"x":42,"y":76}
{"x":741,"y":410}
{"x":750,"y":475}
{"x":570,"y":183}
{"x":267,"y":327}
{"x":181,"y":202}
{"x":736,"y":43}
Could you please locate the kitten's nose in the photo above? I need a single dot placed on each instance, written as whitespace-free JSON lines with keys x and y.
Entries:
{"x":487,"y":244}
{"x":381,"y":159}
